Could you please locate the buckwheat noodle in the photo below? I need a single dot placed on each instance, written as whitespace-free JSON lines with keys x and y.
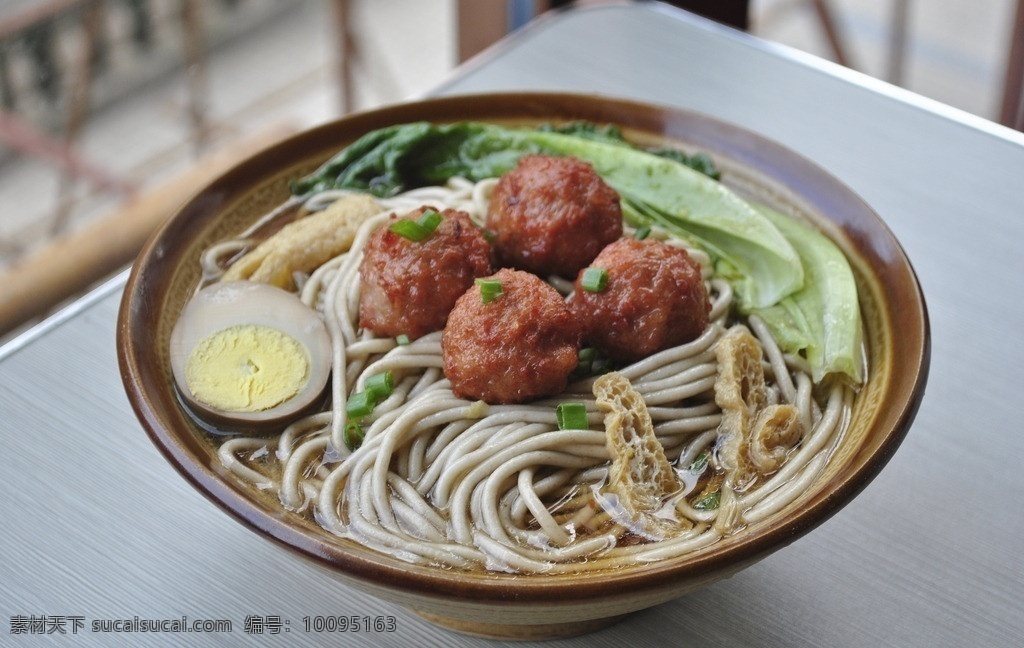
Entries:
{"x":444,"y":481}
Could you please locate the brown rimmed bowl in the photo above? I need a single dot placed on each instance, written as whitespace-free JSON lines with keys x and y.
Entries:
{"x":535,"y":606}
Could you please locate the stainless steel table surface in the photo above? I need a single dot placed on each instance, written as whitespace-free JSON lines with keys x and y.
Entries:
{"x":95,"y":525}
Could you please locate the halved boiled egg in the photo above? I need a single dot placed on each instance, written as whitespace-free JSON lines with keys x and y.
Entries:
{"x":249,"y":355}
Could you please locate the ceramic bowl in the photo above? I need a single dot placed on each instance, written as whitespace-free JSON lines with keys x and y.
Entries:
{"x":496,"y":604}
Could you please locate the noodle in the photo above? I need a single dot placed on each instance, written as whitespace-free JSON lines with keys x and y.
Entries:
{"x":444,"y":481}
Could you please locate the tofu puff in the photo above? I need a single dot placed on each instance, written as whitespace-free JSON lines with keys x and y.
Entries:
{"x":303,"y":245}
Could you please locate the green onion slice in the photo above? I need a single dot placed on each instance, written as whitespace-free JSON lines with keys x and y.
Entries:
{"x":409,"y":229}
{"x":699,"y":463}
{"x":490,"y":289}
{"x":376,"y":388}
{"x":586,"y":357}
{"x":354,"y":435}
{"x":379,"y":386}
{"x":708,"y":502}
{"x":417,"y":230}
{"x":429,"y":220}
{"x":594,"y":279}
{"x":403,"y":340}
{"x":642,"y":232}
{"x":359,"y":404}
{"x":585,"y":362}
{"x":571,"y":416}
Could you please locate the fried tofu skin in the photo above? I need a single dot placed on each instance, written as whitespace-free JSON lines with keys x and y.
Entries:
{"x":755,"y":436}
{"x":641,"y":477}
{"x":305,"y":244}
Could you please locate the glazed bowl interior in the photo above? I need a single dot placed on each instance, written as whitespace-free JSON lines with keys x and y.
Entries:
{"x":896,"y":330}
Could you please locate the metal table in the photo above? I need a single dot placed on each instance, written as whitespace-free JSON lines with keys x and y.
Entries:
{"x":97,"y":526}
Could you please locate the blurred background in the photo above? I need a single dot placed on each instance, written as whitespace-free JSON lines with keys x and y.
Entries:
{"x":112,"y":111}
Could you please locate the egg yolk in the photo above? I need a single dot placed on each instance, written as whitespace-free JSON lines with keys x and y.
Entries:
{"x":247,"y":368}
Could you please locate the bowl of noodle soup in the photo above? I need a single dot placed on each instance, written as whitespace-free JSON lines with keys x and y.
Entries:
{"x":492,"y":519}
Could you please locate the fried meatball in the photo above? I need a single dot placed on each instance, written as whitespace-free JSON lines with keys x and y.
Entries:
{"x":654,"y":299}
{"x":552,"y":215}
{"x":408,"y":287}
{"x":521,"y":345}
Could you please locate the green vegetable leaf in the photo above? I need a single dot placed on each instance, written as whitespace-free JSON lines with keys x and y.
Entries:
{"x":586,"y":130}
{"x":701,"y":162}
{"x":822,"y":320}
{"x":390,"y":160}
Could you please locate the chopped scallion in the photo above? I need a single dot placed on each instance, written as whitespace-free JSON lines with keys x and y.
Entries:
{"x":429,"y":220}
{"x":409,"y":229}
{"x":490,"y":289}
{"x":403,"y":340}
{"x":571,"y":416}
{"x":376,"y":388}
{"x":708,"y":502}
{"x":594,"y":279}
{"x":642,"y":232}
{"x":585,"y":362}
{"x":354,"y":435}
{"x":379,"y":386}
{"x":699,"y":463}
{"x":417,"y":230}
{"x":359,"y":404}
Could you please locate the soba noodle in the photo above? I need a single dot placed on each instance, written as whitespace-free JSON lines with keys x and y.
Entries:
{"x":444,"y":481}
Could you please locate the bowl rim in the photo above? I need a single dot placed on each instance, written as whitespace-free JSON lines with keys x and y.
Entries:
{"x":144,"y":297}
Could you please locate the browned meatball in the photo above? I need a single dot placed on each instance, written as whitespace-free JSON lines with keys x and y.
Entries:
{"x":521,"y":345}
{"x":552,"y":215}
{"x":408,"y":287}
{"x":654,"y":299}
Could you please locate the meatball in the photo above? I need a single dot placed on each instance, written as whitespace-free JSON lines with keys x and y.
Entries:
{"x":552,"y":215}
{"x":518,"y":346}
{"x":408,"y":287}
{"x":654,"y":299}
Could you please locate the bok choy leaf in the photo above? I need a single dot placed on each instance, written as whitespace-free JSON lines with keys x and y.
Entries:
{"x":822,"y":319}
